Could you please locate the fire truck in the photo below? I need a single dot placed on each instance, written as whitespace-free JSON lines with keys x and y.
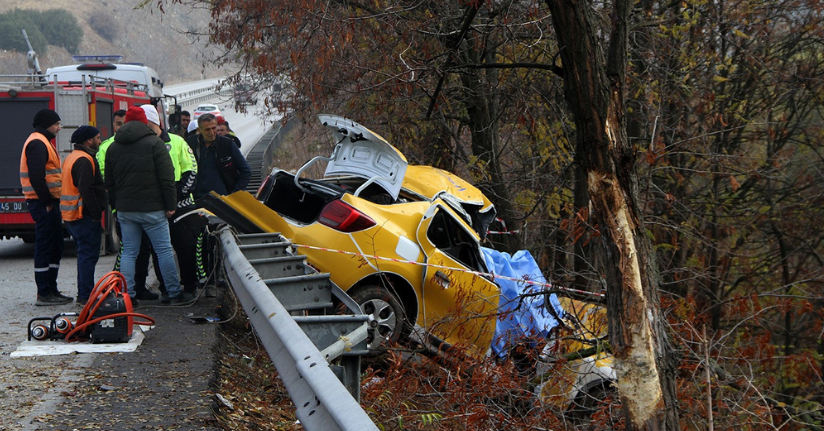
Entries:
{"x":80,"y":99}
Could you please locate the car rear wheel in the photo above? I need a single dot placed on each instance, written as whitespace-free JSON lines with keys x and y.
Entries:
{"x":388,"y":318}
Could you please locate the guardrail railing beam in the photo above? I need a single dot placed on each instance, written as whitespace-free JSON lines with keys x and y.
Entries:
{"x":321,"y":400}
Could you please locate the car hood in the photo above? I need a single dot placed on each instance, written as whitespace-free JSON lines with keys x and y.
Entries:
{"x":363,"y":153}
{"x":432,"y":183}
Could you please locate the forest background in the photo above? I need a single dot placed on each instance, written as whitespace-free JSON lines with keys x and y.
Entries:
{"x":722,"y":113}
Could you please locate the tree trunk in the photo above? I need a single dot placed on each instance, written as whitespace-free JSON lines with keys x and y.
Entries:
{"x":594,"y":88}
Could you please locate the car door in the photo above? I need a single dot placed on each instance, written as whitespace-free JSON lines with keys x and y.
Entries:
{"x":459,"y":303}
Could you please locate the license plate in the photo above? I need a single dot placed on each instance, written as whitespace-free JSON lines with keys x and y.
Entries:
{"x":14,"y":207}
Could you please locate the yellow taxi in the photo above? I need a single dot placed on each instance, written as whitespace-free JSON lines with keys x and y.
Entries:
{"x":403,"y":241}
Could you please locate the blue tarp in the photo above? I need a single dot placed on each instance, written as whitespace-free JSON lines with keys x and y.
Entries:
{"x":520,"y":317}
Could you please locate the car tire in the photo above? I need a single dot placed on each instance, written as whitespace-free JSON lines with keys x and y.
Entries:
{"x":388,"y":322}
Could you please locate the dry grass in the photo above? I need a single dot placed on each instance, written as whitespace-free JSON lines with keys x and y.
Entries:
{"x":405,"y":390}
{"x":250,"y":394}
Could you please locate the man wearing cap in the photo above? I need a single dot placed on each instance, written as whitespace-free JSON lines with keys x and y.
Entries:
{"x":82,"y":203}
{"x":191,"y":130}
{"x":40,"y":179}
{"x":140,"y":179}
{"x":223,"y":129}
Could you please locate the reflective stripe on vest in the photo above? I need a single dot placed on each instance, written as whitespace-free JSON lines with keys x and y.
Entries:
{"x":53,"y":171}
{"x":71,"y":204}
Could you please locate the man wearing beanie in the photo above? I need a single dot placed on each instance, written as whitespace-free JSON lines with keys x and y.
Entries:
{"x":141,"y":184}
{"x":40,"y":178}
{"x":82,"y":203}
{"x":184,"y":231}
{"x":141,"y":268}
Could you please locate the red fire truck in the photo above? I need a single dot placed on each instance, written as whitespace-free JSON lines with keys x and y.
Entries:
{"x":91,"y":100}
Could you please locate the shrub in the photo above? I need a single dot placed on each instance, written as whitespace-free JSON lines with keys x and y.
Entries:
{"x":105,"y":25}
{"x":61,"y":29}
{"x":11,"y":36}
{"x":56,"y":27}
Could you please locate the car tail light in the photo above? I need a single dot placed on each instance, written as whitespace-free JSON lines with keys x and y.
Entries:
{"x":342,"y":217}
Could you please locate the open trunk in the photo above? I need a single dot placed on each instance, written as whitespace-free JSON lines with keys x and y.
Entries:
{"x":303,"y":202}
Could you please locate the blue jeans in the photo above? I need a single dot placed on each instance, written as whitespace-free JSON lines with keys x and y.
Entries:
{"x":86,"y":233}
{"x":48,"y":245}
{"x":132,"y":225}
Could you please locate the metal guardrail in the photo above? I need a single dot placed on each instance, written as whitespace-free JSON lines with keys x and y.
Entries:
{"x":272,"y":285}
{"x":206,"y":91}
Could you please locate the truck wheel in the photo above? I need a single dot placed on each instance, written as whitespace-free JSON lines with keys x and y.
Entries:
{"x":388,"y":316}
{"x":27,"y":238}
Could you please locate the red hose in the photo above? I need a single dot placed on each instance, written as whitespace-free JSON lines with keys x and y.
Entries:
{"x":111,"y":283}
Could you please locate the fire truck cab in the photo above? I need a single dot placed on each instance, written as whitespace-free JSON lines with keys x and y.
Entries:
{"x":85,"y":99}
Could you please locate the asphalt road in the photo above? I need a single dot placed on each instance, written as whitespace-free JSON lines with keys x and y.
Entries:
{"x":164,"y":384}
{"x":18,"y":291}
{"x":247,"y":126}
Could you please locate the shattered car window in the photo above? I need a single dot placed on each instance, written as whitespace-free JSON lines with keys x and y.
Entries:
{"x":447,"y":235}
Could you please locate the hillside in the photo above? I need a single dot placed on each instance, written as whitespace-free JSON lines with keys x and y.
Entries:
{"x":146,"y":35}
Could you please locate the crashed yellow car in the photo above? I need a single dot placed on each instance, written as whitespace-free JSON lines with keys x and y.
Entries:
{"x":401,"y":240}
{"x":404,"y":242}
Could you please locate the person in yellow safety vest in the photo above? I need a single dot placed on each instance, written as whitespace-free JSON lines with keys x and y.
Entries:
{"x":40,"y":178}
{"x":118,"y":118}
{"x":186,"y":230}
{"x":82,"y":203}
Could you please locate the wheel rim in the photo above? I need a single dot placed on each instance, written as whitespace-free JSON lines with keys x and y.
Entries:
{"x":384,"y":321}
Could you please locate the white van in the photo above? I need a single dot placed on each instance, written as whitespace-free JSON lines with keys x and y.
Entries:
{"x":108,"y":66}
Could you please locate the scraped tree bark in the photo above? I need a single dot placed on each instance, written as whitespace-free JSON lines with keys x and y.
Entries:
{"x":594,"y":89}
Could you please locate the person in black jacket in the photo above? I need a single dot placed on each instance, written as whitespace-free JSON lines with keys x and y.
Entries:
{"x":82,"y":202}
{"x":141,"y":183}
{"x":221,"y":166}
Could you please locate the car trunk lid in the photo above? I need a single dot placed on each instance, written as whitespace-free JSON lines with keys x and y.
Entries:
{"x":365,"y":154}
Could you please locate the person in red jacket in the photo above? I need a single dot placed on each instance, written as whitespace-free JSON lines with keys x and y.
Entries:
{"x":40,"y":178}
{"x":82,"y":203}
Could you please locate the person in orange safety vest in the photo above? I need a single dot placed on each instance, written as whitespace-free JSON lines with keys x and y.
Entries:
{"x":40,"y":179}
{"x":82,"y":203}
